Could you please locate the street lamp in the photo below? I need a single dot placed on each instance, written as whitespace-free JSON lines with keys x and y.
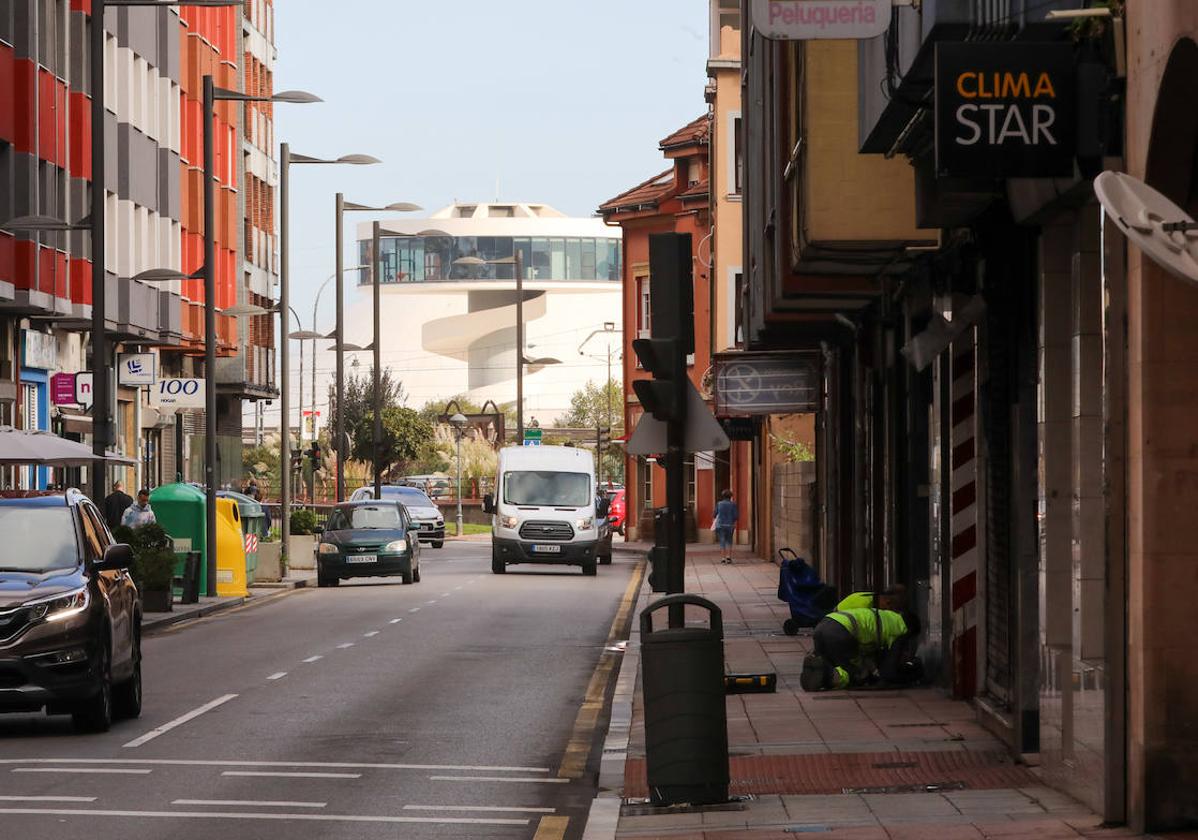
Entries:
{"x":609,"y":329}
{"x":459,"y":427}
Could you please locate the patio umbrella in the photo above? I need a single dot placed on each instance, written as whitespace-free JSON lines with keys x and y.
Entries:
{"x":19,"y":447}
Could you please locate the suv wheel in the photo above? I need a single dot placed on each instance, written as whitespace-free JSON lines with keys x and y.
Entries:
{"x":589,"y":568}
{"x":95,"y":714}
{"x":126,"y":697}
{"x":438,"y":544}
{"x":498,"y":567}
{"x":323,"y":581}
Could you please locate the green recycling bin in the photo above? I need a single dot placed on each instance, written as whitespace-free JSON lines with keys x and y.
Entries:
{"x":179,"y":509}
{"x":253,"y":528}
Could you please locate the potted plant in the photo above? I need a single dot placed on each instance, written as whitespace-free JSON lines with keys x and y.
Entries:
{"x":153,"y":566}
{"x":301,"y":551}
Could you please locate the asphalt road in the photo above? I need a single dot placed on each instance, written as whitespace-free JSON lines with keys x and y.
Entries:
{"x":374,"y":710}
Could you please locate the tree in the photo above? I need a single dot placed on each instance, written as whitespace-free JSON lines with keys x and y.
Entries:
{"x":407,"y":437}
{"x":359,"y":400}
{"x":589,"y":407}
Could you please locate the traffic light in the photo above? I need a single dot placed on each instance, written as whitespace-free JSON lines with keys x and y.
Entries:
{"x":314,"y":455}
{"x":658,"y":568}
{"x":603,"y":437}
{"x":661,"y":396}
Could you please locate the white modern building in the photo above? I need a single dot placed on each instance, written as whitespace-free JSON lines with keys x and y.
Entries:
{"x":449,"y":326}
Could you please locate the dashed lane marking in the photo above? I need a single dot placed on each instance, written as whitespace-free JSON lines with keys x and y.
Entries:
{"x":47,"y":799}
{"x":480,"y":809}
{"x":446,"y":594}
{"x":414,"y":610}
{"x":371,"y":633}
{"x":551,"y":828}
{"x":109,"y":770}
{"x":552,"y":780}
{"x":179,"y":721}
{"x":431,"y":602}
{"x":316,"y":658}
{"x":395,"y":621}
{"x":306,"y":765}
{"x":218,"y":815}
{"x":277,"y":676}
{"x":345,"y":645}
{"x":279,"y":775}
{"x":256,"y":803}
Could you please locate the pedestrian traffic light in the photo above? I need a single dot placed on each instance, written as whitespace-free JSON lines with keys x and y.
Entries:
{"x":314,"y":455}
{"x":661,"y":396}
{"x":603,"y":437}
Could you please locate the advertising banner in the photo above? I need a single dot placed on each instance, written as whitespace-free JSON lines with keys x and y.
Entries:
{"x":62,"y":389}
{"x":136,"y":369}
{"x":803,"y":20}
{"x":178,"y":393}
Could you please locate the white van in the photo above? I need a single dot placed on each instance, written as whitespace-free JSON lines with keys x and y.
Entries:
{"x":545,"y":509}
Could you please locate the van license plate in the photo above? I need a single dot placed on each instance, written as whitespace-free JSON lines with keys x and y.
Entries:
{"x":362,"y":558}
{"x":547,"y":549}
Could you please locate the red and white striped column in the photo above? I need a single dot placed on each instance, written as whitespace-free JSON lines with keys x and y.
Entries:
{"x":964,"y":552}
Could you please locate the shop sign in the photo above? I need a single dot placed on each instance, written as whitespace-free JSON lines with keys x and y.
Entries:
{"x":41,"y":350}
{"x":802,"y":20}
{"x":137,"y":369}
{"x":178,"y":393}
{"x":766,"y":383}
{"x":1005,"y":110}
{"x":83,"y":389}
{"x":62,"y":389}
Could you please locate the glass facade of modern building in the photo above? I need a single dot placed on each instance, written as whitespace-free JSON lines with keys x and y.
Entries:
{"x":426,"y":259}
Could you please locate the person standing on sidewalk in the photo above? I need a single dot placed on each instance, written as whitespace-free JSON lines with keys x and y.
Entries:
{"x":853,"y":647}
{"x":115,"y":504}
{"x":726,"y":515}
{"x":141,"y":513}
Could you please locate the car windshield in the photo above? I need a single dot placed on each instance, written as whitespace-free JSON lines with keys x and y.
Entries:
{"x":410,"y":496}
{"x":365,"y":517}
{"x":547,"y":489}
{"x":37,"y":539}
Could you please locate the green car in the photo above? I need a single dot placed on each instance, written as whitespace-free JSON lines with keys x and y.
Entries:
{"x":368,"y":539}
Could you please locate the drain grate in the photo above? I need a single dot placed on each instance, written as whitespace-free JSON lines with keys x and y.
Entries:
{"x":935,"y":788}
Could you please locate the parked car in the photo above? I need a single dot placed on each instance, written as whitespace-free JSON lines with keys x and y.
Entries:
{"x":368,"y":539}
{"x":617,"y":512}
{"x":435,"y":486}
{"x":421,"y":508}
{"x":70,"y":618}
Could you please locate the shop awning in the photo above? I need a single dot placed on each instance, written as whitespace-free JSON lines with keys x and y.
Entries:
{"x":21,"y":447}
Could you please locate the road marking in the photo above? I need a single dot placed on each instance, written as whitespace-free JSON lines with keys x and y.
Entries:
{"x":446,"y":594}
{"x":582,"y":736}
{"x":396,"y":620}
{"x":456,"y":588}
{"x":414,"y":609}
{"x":217,"y":815}
{"x":179,"y":721}
{"x":277,"y":676}
{"x":339,"y":765}
{"x":275,"y":774}
{"x":479,"y":808}
{"x":117,"y":770}
{"x":431,"y":602}
{"x":345,"y":645}
{"x":550,"y":781}
{"x":47,"y":799}
{"x":250,"y":802}
{"x":312,"y":659}
{"x":371,"y":633}
{"x":551,"y":828}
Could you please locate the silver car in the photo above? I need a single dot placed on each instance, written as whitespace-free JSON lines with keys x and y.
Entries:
{"x":423,"y":510}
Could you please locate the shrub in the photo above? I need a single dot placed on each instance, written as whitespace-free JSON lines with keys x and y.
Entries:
{"x":154,"y":561}
{"x":303,"y":521}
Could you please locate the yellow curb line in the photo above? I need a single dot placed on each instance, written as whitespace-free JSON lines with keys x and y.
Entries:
{"x":578,"y":750}
{"x":551,"y":828}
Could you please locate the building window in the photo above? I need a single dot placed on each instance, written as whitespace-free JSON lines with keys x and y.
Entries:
{"x":738,"y":158}
{"x":738,"y":310}
{"x":646,"y":484}
{"x":644,"y":312}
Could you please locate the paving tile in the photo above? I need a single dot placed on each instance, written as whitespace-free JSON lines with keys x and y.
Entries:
{"x":1019,"y":829}
{"x":829,"y":809}
{"x":909,"y":805}
{"x":981,"y":802}
{"x":660,"y":822}
{"x":938,"y":830}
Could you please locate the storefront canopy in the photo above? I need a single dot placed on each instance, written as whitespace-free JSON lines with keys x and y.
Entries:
{"x":21,"y":447}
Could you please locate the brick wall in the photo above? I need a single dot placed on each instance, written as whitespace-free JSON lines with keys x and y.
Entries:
{"x":793,"y":489}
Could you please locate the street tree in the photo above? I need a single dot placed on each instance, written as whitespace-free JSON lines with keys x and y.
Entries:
{"x":589,"y":407}
{"x":359,"y":400}
{"x":407,"y":438}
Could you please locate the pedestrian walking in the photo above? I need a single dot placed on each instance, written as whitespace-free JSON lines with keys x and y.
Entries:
{"x":724,"y":524}
{"x":140,"y":513}
{"x":251,"y":490}
{"x":115,"y":504}
{"x":861,"y":646}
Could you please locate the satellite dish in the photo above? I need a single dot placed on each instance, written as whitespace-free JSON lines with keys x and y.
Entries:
{"x":1156,"y":225}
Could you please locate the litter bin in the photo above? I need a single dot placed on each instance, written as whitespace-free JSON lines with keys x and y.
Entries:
{"x":187,"y":583}
{"x":253,"y":528}
{"x":179,"y":509}
{"x":230,"y":551}
{"x":686,"y":724}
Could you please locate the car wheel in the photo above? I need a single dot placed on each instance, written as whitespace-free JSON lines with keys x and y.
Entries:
{"x":589,"y":568}
{"x":126,"y":697}
{"x":323,"y":581}
{"x":438,"y":544}
{"x":498,"y":567}
{"x":605,"y":559}
{"x":416,"y":574}
{"x":95,"y":714}
{"x":406,"y":577}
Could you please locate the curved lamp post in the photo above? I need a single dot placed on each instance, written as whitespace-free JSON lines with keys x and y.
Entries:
{"x":458,"y":421}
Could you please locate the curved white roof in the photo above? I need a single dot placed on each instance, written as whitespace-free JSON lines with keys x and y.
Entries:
{"x":498,"y":219}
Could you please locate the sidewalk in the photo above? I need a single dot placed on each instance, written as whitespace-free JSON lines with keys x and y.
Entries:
{"x":862,"y":765}
{"x":156,"y":622}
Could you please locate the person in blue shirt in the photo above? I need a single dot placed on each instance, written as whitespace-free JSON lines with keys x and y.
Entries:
{"x":140,"y":513}
{"x":726,"y":515}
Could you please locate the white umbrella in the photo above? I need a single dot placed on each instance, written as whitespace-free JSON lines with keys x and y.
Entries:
{"x":22,"y":446}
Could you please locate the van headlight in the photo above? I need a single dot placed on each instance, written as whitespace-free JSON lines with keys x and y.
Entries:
{"x":327,"y":548}
{"x":62,"y":607}
{"x":584,"y":524}
{"x":509,"y":521}
{"x":399,"y":545}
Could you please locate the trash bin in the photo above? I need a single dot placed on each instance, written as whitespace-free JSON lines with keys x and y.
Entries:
{"x":686,"y":724}
{"x":253,"y":528}
{"x":187,"y":583}
{"x":230,"y":551}
{"x":179,"y":509}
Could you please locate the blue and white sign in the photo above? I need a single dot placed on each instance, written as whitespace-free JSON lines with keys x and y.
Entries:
{"x":532,"y":441}
{"x":178,"y":393}
{"x":136,"y":369}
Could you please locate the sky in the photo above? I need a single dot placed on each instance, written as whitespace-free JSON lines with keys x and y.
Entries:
{"x":560,"y":102}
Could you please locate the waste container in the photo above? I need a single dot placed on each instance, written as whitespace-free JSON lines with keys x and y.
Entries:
{"x":187,"y":583}
{"x":230,"y":551}
{"x":179,"y":509}
{"x":253,"y":528}
{"x":686,"y":724}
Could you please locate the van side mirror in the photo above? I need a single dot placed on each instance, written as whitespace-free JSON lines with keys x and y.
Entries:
{"x":116,"y":557}
{"x":488,"y":503}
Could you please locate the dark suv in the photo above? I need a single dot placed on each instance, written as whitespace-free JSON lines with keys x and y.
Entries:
{"x":70,"y":619}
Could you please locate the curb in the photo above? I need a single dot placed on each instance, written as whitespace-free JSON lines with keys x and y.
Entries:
{"x":164,"y":621}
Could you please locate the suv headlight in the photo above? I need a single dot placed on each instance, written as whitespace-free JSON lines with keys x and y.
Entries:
{"x":327,"y":548}
{"x":396,"y":545}
{"x":584,"y":524}
{"x":509,"y":521}
{"x":62,"y":607}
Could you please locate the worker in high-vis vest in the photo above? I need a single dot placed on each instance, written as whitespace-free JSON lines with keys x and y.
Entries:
{"x":894,"y":598}
{"x":858,"y":646}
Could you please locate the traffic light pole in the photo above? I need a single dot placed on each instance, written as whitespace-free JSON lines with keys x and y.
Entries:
{"x":676,"y":493}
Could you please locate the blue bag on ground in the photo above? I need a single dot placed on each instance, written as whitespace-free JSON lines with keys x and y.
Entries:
{"x":809,"y":598}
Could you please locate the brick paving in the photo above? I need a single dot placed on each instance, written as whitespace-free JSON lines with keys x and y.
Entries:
{"x":818,"y":763}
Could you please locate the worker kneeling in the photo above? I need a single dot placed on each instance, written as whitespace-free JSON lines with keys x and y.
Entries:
{"x":860,"y":647}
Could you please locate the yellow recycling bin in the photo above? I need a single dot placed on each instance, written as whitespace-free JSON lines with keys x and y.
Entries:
{"x":230,"y":551}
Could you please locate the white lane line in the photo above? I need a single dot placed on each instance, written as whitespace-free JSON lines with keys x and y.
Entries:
{"x":277,"y":676}
{"x":345,"y":645}
{"x":371,"y":633}
{"x":217,"y":815}
{"x":249,"y":802}
{"x":116,"y":770}
{"x":47,"y":799}
{"x":396,"y":620}
{"x":414,"y":609}
{"x":179,"y":721}
{"x":292,"y":775}
{"x":431,"y":602}
{"x":339,"y":765}
{"x":446,"y":594}
{"x":312,"y":659}
{"x":456,"y":588}
{"x":553,"y":780}
{"x":480,"y":809}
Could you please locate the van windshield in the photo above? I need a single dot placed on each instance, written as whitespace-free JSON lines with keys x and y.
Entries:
{"x":547,"y":489}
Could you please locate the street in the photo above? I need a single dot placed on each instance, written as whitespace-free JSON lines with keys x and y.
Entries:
{"x":440,"y":709}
